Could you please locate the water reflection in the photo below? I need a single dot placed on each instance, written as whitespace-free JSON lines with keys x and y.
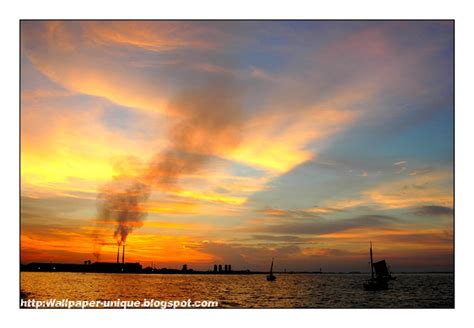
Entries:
{"x":246,"y":291}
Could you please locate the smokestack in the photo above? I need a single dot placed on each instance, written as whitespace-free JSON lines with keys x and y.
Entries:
{"x":123,"y":254}
{"x":118,"y":253}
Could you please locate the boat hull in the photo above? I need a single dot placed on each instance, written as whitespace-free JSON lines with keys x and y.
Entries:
{"x":376,"y":285}
{"x":271,"y":277}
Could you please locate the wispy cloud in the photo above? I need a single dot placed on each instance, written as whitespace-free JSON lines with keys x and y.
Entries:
{"x":321,"y":226}
{"x":434,"y":210}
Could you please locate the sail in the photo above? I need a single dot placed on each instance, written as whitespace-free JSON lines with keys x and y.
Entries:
{"x":381,"y":269}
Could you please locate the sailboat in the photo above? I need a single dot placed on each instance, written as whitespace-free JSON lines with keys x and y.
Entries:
{"x":382,"y":270}
{"x":380,"y":274}
{"x":270,"y":276}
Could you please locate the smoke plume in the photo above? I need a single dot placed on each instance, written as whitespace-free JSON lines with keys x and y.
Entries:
{"x":121,"y":202}
{"x":206,"y":123}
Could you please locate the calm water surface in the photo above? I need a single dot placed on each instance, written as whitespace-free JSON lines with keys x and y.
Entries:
{"x":246,"y":291}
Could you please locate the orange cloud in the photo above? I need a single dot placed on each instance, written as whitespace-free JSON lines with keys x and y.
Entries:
{"x":159,"y":36}
{"x":413,"y":191}
{"x":289,"y":133}
{"x":65,"y":148}
{"x":159,"y":224}
{"x":410,"y":191}
{"x":51,"y":48}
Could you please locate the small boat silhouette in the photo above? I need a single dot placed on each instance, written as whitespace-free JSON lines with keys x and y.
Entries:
{"x":270,"y":276}
{"x":380,"y":278}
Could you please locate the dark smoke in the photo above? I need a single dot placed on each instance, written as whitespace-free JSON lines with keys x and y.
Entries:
{"x":122,"y":202}
{"x":208,"y":124}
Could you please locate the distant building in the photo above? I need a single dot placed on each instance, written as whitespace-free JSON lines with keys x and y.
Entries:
{"x":225,"y":268}
{"x":230,"y":268}
{"x":185,"y":268}
{"x":215,"y":267}
{"x":220,"y":267}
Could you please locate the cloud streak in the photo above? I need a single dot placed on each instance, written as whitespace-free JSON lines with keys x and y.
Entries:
{"x":433,"y":210}
{"x":321,"y":226}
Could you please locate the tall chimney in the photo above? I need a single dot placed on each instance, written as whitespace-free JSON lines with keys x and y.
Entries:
{"x":118,"y":253}
{"x":123,"y":255}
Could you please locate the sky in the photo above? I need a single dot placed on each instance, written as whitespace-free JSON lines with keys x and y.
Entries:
{"x":235,"y":142}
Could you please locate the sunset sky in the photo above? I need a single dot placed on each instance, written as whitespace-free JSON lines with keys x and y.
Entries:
{"x":299,"y":140}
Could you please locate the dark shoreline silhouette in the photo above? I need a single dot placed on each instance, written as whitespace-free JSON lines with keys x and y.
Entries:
{"x":111,"y":267}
